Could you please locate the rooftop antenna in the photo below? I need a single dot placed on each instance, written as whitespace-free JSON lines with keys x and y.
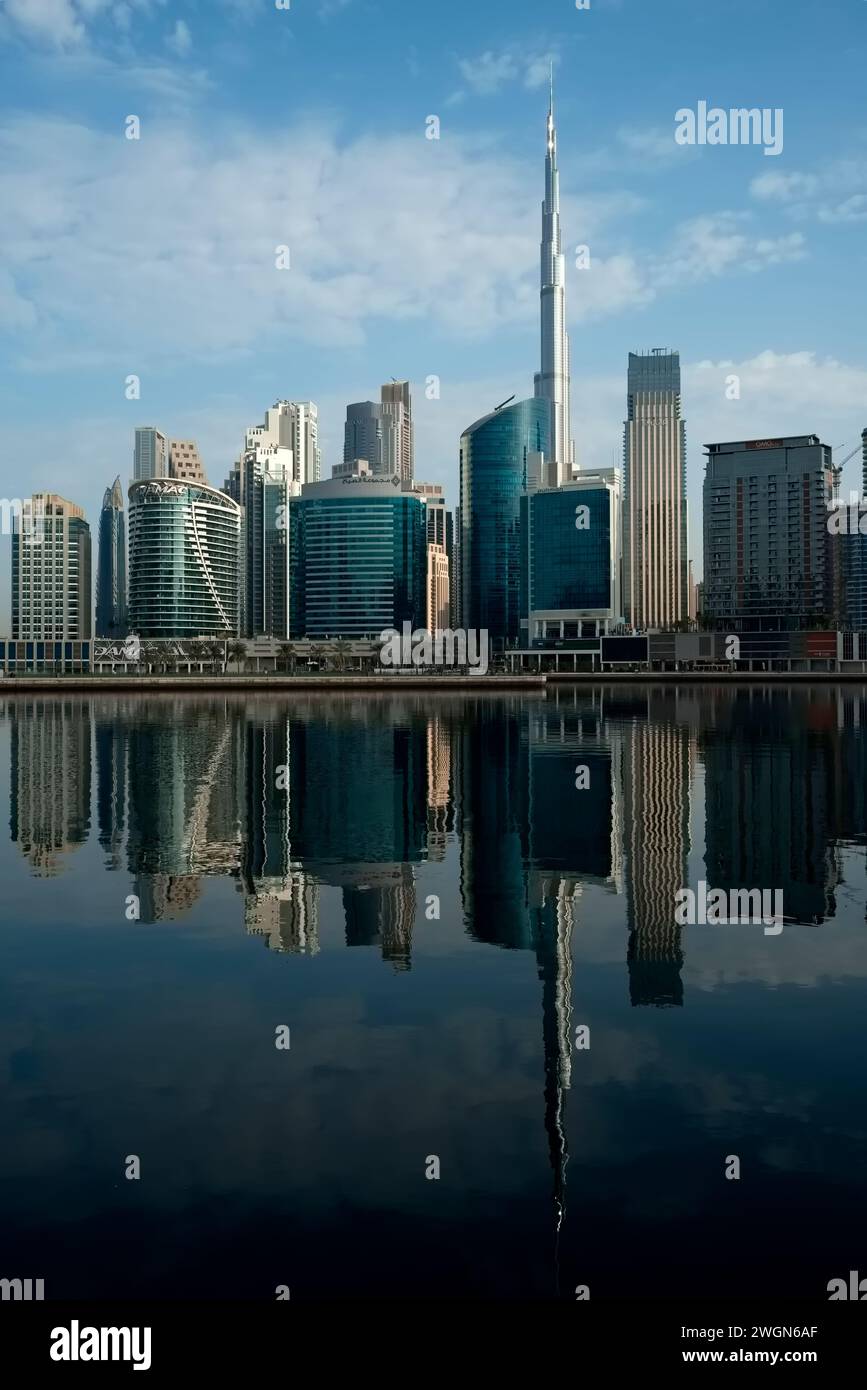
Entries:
{"x":502,"y":403}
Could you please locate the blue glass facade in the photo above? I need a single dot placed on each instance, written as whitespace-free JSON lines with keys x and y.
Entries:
{"x":184,"y":560}
{"x":358,"y":562}
{"x":566,"y":565}
{"x":494,"y":456}
{"x":111,"y":607}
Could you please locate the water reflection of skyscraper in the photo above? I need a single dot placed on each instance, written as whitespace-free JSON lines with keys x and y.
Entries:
{"x":358,"y":789}
{"x":774,"y":804}
{"x":183,"y":767}
{"x":49,"y":784}
{"x":658,"y":758}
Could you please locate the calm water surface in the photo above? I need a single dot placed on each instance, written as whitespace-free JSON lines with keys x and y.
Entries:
{"x":416,"y":888}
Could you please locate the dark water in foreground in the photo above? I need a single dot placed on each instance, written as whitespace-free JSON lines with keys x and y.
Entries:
{"x":288,"y":859}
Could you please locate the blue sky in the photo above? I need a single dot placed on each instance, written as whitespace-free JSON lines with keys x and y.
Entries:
{"x":412,"y":257}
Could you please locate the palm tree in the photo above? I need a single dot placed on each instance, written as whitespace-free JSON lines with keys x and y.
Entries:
{"x":316,"y":654}
{"x":286,"y":653}
{"x":237,"y":651}
{"x":341,"y":649}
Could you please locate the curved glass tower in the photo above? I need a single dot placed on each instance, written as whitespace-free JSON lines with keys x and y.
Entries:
{"x":496,"y":453}
{"x":184,"y":559}
{"x":111,"y":615}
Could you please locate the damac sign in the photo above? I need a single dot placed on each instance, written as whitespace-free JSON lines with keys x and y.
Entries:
{"x":149,"y":490}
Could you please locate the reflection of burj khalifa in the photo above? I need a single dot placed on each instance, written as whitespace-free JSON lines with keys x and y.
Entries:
{"x":552,"y":380}
{"x":526,"y":855}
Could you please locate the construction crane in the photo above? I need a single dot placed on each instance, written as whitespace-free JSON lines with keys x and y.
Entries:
{"x":837,"y":468}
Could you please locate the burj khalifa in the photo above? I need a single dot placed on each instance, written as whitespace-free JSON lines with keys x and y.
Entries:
{"x":552,"y":381}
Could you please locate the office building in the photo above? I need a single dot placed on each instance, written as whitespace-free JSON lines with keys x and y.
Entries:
{"x":769,"y":556}
{"x":497,"y":456}
{"x":185,"y":462}
{"x":151,"y":457}
{"x":358,"y":558}
{"x":571,"y":560}
{"x":552,"y":381}
{"x":655,"y":560}
{"x":51,"y":571}
{"x":111,"y":609}
{"x":184,"y":560}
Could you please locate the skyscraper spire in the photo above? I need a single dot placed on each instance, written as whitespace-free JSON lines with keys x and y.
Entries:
{"x":552,"y":380}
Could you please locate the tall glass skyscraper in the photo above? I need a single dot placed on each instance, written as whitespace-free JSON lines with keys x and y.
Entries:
{"x":655,"y":560}
{"x":184,"y":560}
{"x":358,"y":558}
{"x":553,"y":380}
{"x":111,"y":610}
{"x":570,"y":565}
{"x":499,"y":453}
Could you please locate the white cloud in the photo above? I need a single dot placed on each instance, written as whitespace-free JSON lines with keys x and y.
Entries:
{"x":489,"y":72}
{"x":496,"y":68}
{"x":53,"y":22}
{"x":654,"y":145}
{"x":180,"y":260}
{"x":837,"y":194}
{"x":852,"y":209}
{"x":180,"y":40}
{"x":783,"y":188}
{"x":708,"y":246}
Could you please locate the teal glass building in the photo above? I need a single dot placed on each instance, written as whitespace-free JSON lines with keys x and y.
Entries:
{"x":111,"y":614}
{"x":184,"y":560}
{"x":498,"y":455}
{"x":358,"y":559}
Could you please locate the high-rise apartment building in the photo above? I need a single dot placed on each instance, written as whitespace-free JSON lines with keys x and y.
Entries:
{"x":371,"y":432}
{"x":185,"y":461}
{"x":51,"y":571}
{"x":769,"y":556}
{"x":397,"y":402}
{"x":381,"y":432}
{"x":151,"y":456}
{"x":292,"y":425}
{"x":553,"y":382}
{"x":111,"y":609}
{"x":184,"y":560}
{"x":279,"y":458}
{"x":655,"y":560}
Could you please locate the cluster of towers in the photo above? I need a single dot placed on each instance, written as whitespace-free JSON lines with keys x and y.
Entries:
{"x":540,"y":550}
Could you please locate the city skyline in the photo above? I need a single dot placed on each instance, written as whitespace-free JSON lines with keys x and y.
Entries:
{"x":744,"y":280}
